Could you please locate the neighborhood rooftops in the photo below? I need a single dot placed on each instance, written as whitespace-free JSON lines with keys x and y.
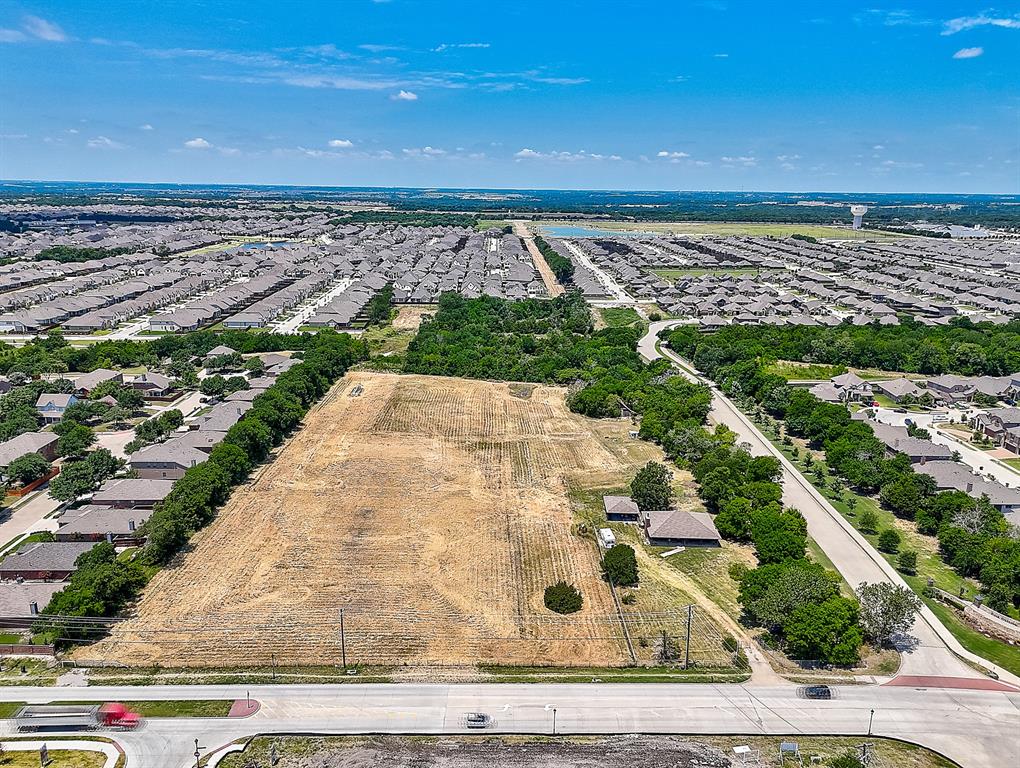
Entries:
{"x":29,"y":442}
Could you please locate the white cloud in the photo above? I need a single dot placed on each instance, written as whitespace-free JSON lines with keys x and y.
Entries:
{"x":969,"y":53}
{"x":878,"y":147}
{"x":720,"y":55}
{"x":424,"y":152}
{"x":405,"y":96}
{"x":12,"y":36}
{"x":73,"y":130}
{"x":672,"y":155}
{"x":747,"y":161}
{"x":449,"y":46}
{"x":43,"y":29}
{"x":13,"y":136}
{"x":102,"y":142}
{"x":787,"y":158}
{"x":563,"y":157}
{"x":229,"y":151}
{"x":198,"y":143}
{"x":145,"y":127}
{"x":963,"y":23}
{"x":375,"y":48}
{"x":340,"y":143}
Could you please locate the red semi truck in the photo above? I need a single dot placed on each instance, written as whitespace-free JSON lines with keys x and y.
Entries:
{"x":75,"y":717}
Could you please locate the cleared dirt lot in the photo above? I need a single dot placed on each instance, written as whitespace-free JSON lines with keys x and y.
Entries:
{"x":434,"y":511}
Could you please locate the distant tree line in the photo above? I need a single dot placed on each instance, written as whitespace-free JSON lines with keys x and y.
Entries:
{"x":961,"y":347}
{"x":407,"y":218}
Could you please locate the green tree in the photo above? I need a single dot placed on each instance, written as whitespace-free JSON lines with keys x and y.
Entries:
{"x":562,"y":597}
{"x":796,"y":584}
{"x":778,"y":534}
{"x":826,"y":631}
{"x":652,"y":487}
{"x":620,"y":565}
{"x":28,"y":468}
{"x":889,"y":541}
{"x":734,"y":520}
{"x":886,"y":610}
{"x":74,"y":442}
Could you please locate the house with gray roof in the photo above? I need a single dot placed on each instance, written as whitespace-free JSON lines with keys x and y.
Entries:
{"x":678,"y":528}
{"x":165,"y":461}
{"x":129,"y":493}
{"x":43,"y":561}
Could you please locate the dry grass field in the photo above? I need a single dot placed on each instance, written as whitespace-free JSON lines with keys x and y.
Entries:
{"x":434,"y":511}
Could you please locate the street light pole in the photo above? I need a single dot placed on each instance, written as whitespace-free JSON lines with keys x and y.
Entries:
{"x":554,"y":721}
{"x":343,"y":641}
{"x":870,"y":721}
{"x":198,"y":754}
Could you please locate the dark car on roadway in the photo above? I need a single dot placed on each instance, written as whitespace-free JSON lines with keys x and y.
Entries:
{"x":816,"y":692}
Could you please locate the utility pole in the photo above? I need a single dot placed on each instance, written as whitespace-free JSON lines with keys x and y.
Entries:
{"x":198,"y":755}
{"x":687,"y":648}
{"x":343,"y":641}
{"x":272,"y":657}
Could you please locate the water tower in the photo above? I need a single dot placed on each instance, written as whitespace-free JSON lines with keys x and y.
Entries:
{"x":858,"y":211}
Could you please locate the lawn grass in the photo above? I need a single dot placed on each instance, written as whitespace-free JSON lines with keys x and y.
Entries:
{"x":1005,"y":655}
{"x":1012,"y":463}
{"x":182,"y":708}
{"x":59,"y":758}
{"x":792,"y":371}
{"x":618,"y":317}
{"x":8,"y":708}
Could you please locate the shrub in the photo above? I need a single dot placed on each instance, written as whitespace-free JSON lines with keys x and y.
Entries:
{"x":868,"y":522}
{"x":655,"y":316}
{"x":908,"y":561}
{"x":845,"y":760}
{"x":563,"y":598}
{"x":629,"y":599}
{"x":889,"y":541}
{"x":620,"y":565}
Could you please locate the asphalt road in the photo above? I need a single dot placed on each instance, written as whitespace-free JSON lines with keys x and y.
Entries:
{"x":975,"y":728}
{"x":931,"y":649}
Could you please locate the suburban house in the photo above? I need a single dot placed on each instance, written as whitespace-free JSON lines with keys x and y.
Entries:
{"x":165,"y":461}
{"x":897,"y":389}
{"x":950,"y":476}
{"x":43,"y":561}
{"x":152,"y":384}
{"x":218,"y":351}
{"x":92,"y":523}
{"x":131,"y":493}
{"x":897,"y":440}
{"x":52,"y":406}
{"x":676,"y":528}
{"x":620,"y":509}
{"x":43,"y":443}
{"x":204,"y":440}
{"x":88,"y":381}
{"x":996,"y":422}
{"x":852,"y":387}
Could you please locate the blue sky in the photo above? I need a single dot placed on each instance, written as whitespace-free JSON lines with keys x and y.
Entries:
{"x":720,"y":94}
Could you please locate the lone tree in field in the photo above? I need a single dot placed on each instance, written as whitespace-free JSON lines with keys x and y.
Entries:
{"x":563,"y":598}
{"x":620,"y":565}
{"x":652,"y":487}
{"x":886,"y":610}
